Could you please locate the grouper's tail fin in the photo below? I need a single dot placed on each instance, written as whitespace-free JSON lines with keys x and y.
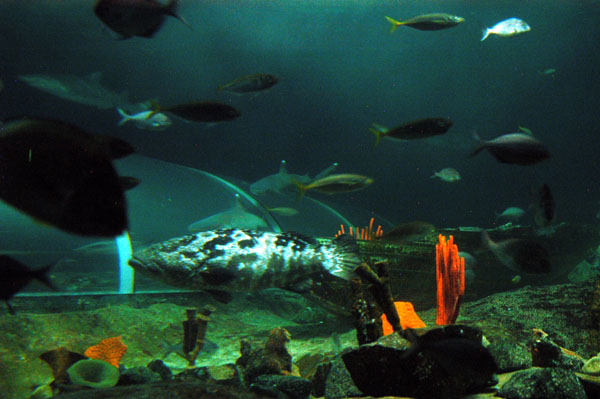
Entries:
{"x":347,"y":257}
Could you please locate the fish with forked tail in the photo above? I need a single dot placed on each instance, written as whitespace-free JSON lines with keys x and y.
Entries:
{"x":229,"y":260}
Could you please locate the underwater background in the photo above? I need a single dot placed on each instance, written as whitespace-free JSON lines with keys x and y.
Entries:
{"x":340,"y":70}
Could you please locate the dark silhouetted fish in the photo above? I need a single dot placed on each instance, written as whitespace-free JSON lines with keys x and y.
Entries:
{"x":250,"y":83}
{"x":436,"y":21}
{"x":414,"y":130}
{"x":206,"y":111}
{"x":543,"y":206}
{"x":135,"y":17}
{"x":519,"y":255}
{"x":15,"y":276}
{"x":224,"y":261}
{"x":408,"y":232}
{"x":514,"y":148}
{"x":61,"y":175}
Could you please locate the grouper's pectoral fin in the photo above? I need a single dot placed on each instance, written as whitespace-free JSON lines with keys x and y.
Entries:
{"x":217,"y":276}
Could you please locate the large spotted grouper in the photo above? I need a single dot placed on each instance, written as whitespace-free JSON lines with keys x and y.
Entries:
{"x":230,"y":260}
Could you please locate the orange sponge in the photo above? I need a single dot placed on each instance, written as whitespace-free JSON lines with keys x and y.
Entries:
{"x":408,"y":318}
{"x":110,"y":350}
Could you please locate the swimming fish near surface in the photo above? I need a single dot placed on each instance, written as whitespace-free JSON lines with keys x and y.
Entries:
{"x":15,"y":276}
{"x":229,"y":260}
{"x":507,"y":28}
{"x":130,"y":18}
{"x":250,"y":83}
{"x":148,"y":120}
{"x":449,"y":175}
{"x":283,"y":181}
{"x":514,"y":148}
{"x":340,"y":183}
{"x":436,"y":21}
{"x":418,"y":129}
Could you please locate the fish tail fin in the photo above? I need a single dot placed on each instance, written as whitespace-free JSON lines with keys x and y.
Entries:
{"x":301,"y":189}
{"x":486,"y":33}
{"x":124,"y":117}
{"x":479,"y":147}
{"x":377,"y":134}
{"x":486,"y":241}
{"x":42,"y":275}
{"x":434,"y":175}
{"x":155,"y":107}
{"x":395,"y":24}
{"x":171,"y":9}
{"x":346,"y":257}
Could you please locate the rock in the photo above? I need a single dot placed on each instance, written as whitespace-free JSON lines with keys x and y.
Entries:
{"x":319,"y":379}
{"x":592,"y":366}
{"x":545,"y":353}
{"x":447,"y":363}
{"x":510,"y":356}
{"x":339,"y":383}
{"x":543,"y":383}
{"x":293,"y":387}
{"x":161,"y":369}
{"x":138,"y":375}
{"x":272,"y":357}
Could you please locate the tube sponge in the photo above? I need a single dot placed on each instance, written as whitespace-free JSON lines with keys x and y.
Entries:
{"x":93,"y":373}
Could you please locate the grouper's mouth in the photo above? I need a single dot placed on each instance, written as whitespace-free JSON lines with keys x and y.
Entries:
{"x":145,"y":267}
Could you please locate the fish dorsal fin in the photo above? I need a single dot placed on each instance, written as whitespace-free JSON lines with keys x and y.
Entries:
{"x":283,"y":169}
{"x":94,"y":77}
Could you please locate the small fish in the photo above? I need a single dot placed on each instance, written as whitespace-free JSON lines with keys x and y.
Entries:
{"x":130,"y":18}
{"x":232,"y":260}
{"x":507,"y":28}
{"x":514,"y":148}
{"x":519,"y":255}
{"x":437,"y":21}
{"x":340,"y":183}
{"x":283,"y":211}
{"x":512,"y":213}
{"x":418,"y":129}
{"x":206,"y":111}
{"x":449,"y":175}
{"x":516,"y":279}
{"x":543,"y":206}
{"x":15,"y":276}
{"x":408,"y":232}
{"x":63,"y":176}
{"x":250,"y":83}
{"x":148,"y":120}
{"x":548,"y":71}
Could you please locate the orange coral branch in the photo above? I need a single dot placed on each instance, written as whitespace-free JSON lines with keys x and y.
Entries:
{"x":110,"y":350}
{"x":450,"y":277}
{"x":362,"y":233}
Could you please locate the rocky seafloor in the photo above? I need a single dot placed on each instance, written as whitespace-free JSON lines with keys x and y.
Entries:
{"x":525,"y":328}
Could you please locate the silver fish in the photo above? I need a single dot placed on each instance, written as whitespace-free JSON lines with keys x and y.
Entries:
{"x":232,"y":260}
{"x":506,"y":28}
{"x":514,"y":148}
{"x":86,"y":90}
